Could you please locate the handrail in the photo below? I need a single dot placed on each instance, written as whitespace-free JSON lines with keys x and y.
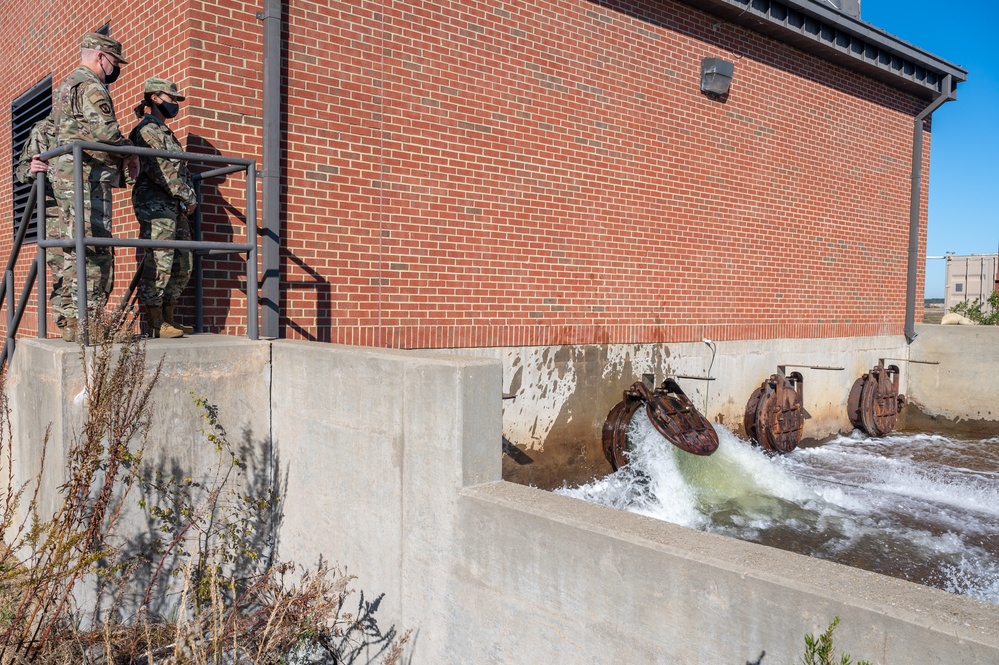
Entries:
{"x":36,"y":193}
{"x":213,"y":247}
{"x":22,"y":229}
{"x":243,"y":162}
{"x":80,"y":241}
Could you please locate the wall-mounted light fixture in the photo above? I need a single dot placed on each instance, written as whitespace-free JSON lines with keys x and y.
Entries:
{"x":716,"y":76}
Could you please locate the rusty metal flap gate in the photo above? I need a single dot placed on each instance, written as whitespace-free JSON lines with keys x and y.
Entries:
{"x":775,"y":415}
{"x":671,"y":413}
{"x":874,"y":403}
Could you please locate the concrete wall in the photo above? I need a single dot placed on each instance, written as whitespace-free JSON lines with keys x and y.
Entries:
{"x":562,"y":394}
{"x":46,"y":384}
{"x":403,"y":486}
{"x":392,"y":468}
{"x":371,"y":444}
{"x":960,"y":392}
{"x":563,"y":581}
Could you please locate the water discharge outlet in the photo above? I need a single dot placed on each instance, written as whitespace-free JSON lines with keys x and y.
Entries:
{"x":671,"y":413}
{"x":775,"y":414}
{"x":875,"y":403}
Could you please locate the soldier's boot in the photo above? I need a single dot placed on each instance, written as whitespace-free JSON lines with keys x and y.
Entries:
{"x":159,"y":327}
{"x":69,"y":330}
{"x":168,"y":317}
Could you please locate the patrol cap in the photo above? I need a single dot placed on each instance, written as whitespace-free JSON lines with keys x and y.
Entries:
{"x":103,"y":43}
{"x":162,"y":85}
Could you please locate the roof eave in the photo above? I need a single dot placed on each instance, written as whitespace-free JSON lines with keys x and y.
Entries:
{"x":842,"y":39}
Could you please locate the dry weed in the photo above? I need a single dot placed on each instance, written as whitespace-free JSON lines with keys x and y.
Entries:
{"x":267,"y":614}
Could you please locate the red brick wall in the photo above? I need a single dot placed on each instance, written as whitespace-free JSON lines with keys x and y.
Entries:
{"x":483,"y":174}
{"x":159,"y":39}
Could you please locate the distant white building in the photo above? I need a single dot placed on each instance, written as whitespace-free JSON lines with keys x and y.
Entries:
{"x":969,"y":277}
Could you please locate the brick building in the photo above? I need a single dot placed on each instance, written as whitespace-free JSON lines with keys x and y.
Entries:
{"x":525,"y":175}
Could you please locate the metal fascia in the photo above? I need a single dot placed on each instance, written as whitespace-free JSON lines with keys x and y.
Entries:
{"x":759,"y":15}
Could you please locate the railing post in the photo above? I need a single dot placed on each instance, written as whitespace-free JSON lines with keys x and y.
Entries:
{"x":199,"y":287}
{"x":40,"y":217}
{"x":81,"y":251}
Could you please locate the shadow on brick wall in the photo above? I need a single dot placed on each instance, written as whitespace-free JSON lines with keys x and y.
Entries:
{"x":324,"y":302}
{"x":220,"y":275}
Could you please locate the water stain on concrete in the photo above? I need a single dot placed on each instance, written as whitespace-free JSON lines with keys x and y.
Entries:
{"x":574,"y":387}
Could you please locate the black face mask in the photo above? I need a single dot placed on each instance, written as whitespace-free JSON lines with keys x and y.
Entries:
{"x":113,"y":76}
{"x":168,"y":109}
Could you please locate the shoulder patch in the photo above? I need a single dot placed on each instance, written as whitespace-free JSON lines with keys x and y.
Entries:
{"x":105,"y":108}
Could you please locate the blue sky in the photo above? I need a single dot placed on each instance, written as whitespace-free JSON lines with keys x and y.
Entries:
{"x":965,"y":147}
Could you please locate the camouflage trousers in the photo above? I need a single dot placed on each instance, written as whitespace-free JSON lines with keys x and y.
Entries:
{"x":165,"y":272}
{"x":99,"y":260}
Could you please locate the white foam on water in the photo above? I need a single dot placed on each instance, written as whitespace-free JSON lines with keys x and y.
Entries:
{"x":650,"y":485}
{"x":970,"y":576}
{"x":927,"y":502}
{"x":665,"y":482}
{"x":887,"y":472}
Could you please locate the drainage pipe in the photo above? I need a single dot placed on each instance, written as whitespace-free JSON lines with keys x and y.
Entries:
{"x":946,"y":95}
{"x":271,"y":232}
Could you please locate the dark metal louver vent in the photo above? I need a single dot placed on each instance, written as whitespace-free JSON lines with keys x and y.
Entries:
{"x":25,"y":111}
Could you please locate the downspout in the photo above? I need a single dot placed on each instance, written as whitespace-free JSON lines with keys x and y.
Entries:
{"x":270,"y":233}
{"x":270,"y":296}
{"x":946,"y":94}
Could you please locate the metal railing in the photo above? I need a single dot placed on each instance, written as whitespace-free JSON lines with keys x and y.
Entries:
{"x":14,"y":314}
{"x":80,"y":241}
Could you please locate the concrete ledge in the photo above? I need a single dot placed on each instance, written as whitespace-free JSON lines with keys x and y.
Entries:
{"x":601,"y":585}
{"x":46,"y":384}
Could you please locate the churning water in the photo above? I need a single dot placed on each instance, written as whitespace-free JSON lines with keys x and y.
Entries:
{"x":916,"y":506}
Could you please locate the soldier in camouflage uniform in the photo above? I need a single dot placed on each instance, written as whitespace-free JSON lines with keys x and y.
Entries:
{"x":41,"y":138}
{"x":82,"y":110}
{"x":163,"y":197}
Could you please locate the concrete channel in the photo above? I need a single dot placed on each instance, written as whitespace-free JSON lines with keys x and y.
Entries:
{"x":390,"y":464}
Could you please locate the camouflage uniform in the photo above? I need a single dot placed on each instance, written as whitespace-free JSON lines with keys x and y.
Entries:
{"x":162,"y":187}
{"x":41,"y":138}
{"x":82,"y":110}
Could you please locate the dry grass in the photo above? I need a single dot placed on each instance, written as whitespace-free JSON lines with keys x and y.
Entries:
{"x":270,"y":613}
